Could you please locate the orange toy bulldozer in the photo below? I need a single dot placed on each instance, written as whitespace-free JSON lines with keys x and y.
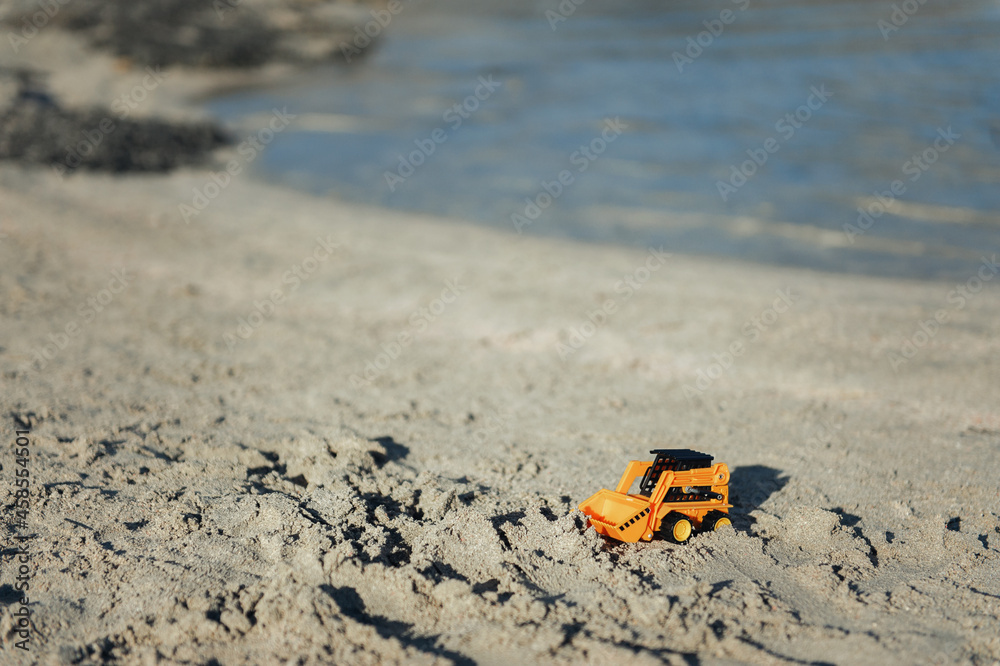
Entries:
{"x":679,"y":491}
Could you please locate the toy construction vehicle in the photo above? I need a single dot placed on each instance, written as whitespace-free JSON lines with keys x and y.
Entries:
{"x":679,"y":491}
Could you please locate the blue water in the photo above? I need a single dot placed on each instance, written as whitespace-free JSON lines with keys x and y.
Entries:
{"x":684,"y":130}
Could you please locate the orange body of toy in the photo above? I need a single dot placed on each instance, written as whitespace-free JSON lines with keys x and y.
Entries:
{"x":680,"y":491}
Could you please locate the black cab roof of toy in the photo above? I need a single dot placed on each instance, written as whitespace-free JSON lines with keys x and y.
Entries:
{"x":685,"y":455}
{"x":675,"y":460}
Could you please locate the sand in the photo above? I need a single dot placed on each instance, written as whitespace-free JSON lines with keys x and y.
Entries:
{"x":292,"y":430}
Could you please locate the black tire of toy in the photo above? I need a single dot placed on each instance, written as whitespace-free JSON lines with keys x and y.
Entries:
{"x":667,"y":527}
{"x":710,"y":522}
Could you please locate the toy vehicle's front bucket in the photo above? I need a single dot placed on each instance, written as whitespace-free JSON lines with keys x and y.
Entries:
{"x":618,"y":516}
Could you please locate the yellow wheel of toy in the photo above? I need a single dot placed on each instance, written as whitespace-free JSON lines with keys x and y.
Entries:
{"x":715,"y":520}
{"x":676,"y":527}
{"x":681,"y":531}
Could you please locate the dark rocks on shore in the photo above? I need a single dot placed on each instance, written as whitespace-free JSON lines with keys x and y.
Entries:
{"x":34,"y":129}
{"x":173,"y":32}
{"x":158,"y":33}
{"x":205,"y":33}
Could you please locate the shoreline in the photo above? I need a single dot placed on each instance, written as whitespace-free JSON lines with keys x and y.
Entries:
{"x":82,"y":78}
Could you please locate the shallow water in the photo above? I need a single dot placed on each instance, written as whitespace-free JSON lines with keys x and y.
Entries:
{"x":866,"y":102}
